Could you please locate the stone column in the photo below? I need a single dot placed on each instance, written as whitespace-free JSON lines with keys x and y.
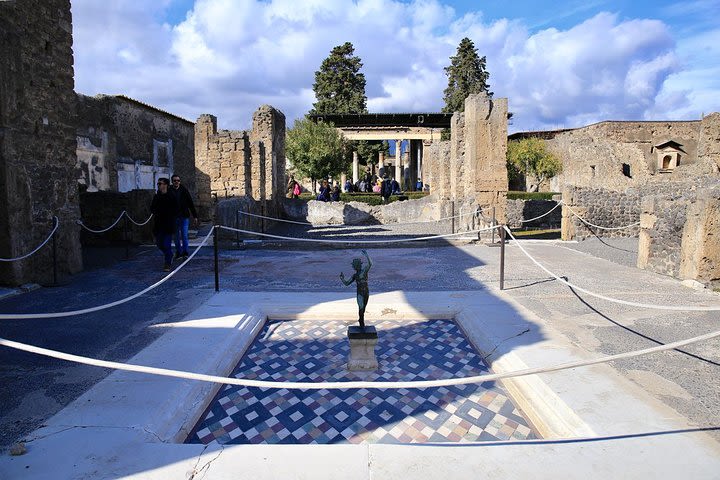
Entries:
{"x":381,"y":163}
{"x":419,"y":160}
{"x":356,"y":167}
{"x":398,"y":160}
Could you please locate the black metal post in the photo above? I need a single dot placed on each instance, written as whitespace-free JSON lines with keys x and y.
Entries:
{"x":262,"y":220}
{"x":126,"y":233}
{"x":493,"y":224}
{"x":215,"y":246}
{"x":502,"y":257}
{"x":54,"y":253}
{"x":452,"y":214}
{"x":237,"y":225}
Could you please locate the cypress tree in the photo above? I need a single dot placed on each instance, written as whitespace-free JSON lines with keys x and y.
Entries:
{"x":339,"y":86}
{"x":466,"y":74}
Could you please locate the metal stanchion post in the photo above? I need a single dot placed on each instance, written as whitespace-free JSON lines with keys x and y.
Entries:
{"x":126,"y":233}
{"x":502,"y":257}
{"x":54,"y":254}
{"x":452,"y":214}
{"x":237,"y":225}
{"x":493,"y":224}
{"x":215,"y":245}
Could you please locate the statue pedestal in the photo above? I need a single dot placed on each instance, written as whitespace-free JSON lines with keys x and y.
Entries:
{"x":362,"y":348}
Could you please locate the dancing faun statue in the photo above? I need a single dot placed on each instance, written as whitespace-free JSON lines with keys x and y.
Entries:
{"x":360,"y":277}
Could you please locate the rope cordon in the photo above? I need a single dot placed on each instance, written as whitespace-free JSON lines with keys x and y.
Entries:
{"x":275,"y":219}
{"x":361,"y":242}
{"x":345,"y":385}
{"x":598,"y":226}
{"x":26,"y":316}
{"x":79,"y":222}
{"x":56,"y":221}
{"x":610,"y":299}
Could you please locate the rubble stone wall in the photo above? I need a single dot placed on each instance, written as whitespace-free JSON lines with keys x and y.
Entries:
{"x":37,"y":140}
{"x":600,"y":207}
{"x":234,"y":163}
{"x":593,"y":156}
{"x":678,"y":235}
{"x":519,"y":211}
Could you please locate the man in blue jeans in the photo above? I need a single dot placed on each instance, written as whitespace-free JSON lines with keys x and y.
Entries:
{"x":186,"y":208}
{"x":165,"y":210}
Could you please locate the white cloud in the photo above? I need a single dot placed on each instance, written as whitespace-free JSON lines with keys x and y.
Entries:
{"x":230,"y":56}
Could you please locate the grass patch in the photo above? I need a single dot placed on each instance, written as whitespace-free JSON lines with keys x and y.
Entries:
{"x":531,"y":195}
{"x":539,"y":234}
{"x":369,"y":198}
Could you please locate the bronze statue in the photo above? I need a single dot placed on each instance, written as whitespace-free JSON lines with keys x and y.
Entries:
{"x":360,"y":277}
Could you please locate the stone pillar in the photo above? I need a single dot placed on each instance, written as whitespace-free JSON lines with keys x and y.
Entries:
{"x":356,"y":167}
{"x":206,"y":168}
{"x":485,"y":177}
{"x":398,"y":161}
{"x":381,"y":163}
{"x":269,"y":131}
{"x":419,"y":160}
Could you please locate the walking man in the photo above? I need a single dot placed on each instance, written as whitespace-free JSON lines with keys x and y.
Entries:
{"x":165,"y":210}
{"x":182,"y":223}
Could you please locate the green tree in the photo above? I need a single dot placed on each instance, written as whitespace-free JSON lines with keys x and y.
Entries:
{"x":339,"y":86}
{"x":529,"y":158}
{"x":316,"y":150}
{"x":466,"y":74}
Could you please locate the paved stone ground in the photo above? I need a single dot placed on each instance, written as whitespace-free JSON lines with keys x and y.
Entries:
{"x":34,"y":388}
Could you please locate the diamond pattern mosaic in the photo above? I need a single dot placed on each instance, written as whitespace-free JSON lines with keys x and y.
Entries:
{"x":317,"y":351}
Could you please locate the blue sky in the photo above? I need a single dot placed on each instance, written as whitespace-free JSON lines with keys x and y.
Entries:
{"x":560,"y":64}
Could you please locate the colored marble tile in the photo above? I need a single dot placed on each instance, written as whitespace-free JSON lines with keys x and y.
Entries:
{"x":316,"y":351}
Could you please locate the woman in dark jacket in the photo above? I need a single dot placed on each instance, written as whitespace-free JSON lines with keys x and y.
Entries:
{"x":165,"y":210}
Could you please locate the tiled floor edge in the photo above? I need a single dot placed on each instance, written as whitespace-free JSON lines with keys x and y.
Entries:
{"x":188,"y":411}
{"x":549,"y":414}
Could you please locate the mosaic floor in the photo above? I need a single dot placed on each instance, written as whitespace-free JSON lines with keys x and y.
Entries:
{"x":317,"y":351}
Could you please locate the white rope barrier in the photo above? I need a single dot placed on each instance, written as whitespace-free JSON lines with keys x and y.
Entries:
{"x":346,"y":385}
{"x":323,"y":240}
{"x":26,"y":316}
{"x":686,"y":308}
{"x":136,"y":223}
{"x":56,"y":221}
{"x":275,"y":219}
{"x":79,"y":222}
{"x":546,"y":213}
{"x":598,"y":226}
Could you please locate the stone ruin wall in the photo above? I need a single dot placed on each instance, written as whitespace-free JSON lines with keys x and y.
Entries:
{"x":679,"y":230}
{"x":37,"y":140}
{"x":235,"y":164}
{"x":125,"y":145}
{"x":609,"y":145}
{"x":519,"y":211}
{"x":598,"y":206}
{"x":677,"y":212}
{"x":469,"y":171}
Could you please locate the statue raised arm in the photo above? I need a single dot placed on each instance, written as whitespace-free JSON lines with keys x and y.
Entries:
{"x":360,"y":277}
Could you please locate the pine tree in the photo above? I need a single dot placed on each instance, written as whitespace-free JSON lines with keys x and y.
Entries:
{"x":339,"y":86}
{"x":466,"y":75}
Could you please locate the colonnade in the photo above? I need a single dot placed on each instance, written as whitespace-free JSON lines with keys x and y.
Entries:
{"x":399,"y":164}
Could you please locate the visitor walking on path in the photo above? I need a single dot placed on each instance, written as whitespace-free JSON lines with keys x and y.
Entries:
{"x":182,"y":223}
{"x":165,"y":209}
